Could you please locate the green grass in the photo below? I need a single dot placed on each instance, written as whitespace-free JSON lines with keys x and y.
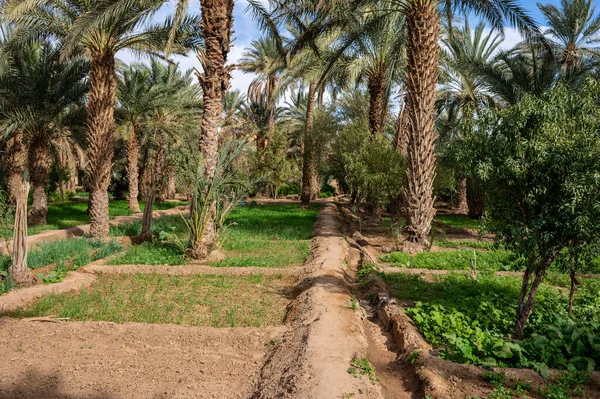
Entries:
{"x":454,"y":260}
{"x":172,"y":224}
{"x":464,"y":244}
{"x":150,"y":253}
{"x":75,"y":251}
{"x":199,"y":300}
{"x":260,"y":236}
{"x":459,"y":221}
{"x":61,"y":216}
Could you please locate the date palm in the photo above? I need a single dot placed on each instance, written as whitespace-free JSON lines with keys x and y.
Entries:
{"x":463,"y":92}
{"x":99,"y":29}
{"x":265,"y":60}
{"x":40,"y":98}
{"x":373,"y":49}
{"x":573,"y":33}
{"x":423,"y":33}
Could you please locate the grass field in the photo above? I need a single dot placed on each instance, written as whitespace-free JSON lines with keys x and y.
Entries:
{"x":69,"y":214}
{"x":200,"y":300}
{"x":259,"y":236}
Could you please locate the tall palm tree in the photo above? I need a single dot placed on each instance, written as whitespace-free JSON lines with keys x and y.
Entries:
{"x":573,"y":32}
{"x":374,"y":49}
{"x":423,"y":23}
{"x":265,"y":60}
{"x":154,"y":102}
{"x":40,"y":97}
{"x":463,"y":92}
{"x":99,"y":29}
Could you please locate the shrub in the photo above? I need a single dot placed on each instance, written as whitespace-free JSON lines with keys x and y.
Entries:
{"x":540,"y":162}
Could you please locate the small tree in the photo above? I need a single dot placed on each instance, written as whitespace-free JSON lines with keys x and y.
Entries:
{"x":540,"y":161}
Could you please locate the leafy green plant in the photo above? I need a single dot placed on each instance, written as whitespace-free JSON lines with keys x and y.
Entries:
{"x":363,"y":366}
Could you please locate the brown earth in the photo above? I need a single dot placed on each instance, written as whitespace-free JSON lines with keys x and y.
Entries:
{"x":106,"y":360}
{"x":309,"y":357}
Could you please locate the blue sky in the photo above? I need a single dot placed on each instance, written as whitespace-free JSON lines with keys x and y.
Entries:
{"x":246,"y":30}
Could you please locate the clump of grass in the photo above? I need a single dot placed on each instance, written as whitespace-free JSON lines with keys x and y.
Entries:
{"x":362,"y":366}
{"x":455,"y":260}
{"x":200,"y":300}
{"x":150,"y":253}
{"x":76,"y":251}
{"x":462,"y":244}
{"x":172,"y":224}
{"x":261,"y":253}
{"x":460,"y":221}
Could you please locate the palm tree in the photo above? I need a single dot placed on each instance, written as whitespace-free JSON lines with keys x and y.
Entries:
{"x":463,"y":92}
{"x":265,"y":60}
{"x":40,"y":95}
{"x":155,"y":103}
{"x":374,"y":48}
{"x":573,"y":33}
{"x":216,"y":27}
{"x":423,"y":24}
{"x":99,"y":29}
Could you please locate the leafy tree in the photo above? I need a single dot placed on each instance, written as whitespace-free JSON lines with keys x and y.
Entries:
{"x":540,"y":160}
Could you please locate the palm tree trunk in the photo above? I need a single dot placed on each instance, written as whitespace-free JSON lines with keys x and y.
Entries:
{"x":146,"y":234}
{"x":39,"y":161}
{"x":16,"y":162}
{"x":171,"y":186}
{"x":461,"y":207}
{"x":376,"y":86}
{"x":133,"y":155}
{"x":159,"y":170}
{"x":401,"y":139}
{"x":422,"y":74}
{"x":216,"y":26}
{"x":309,"y":169}
{"x":19,"y":270}
{"x":101,"y":126}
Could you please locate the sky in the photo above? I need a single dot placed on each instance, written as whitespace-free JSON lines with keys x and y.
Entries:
{"x":245,"y":31}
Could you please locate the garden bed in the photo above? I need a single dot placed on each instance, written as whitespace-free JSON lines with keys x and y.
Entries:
{"x":198,"y":300}
{"x":275,"y":236}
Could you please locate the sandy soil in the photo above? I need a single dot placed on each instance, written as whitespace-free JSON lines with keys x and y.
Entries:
{"x":307,"y":358}
{"x":107,"y":360}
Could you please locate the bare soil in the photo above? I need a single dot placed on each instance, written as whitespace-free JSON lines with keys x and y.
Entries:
{"x":307,"y":358}
{"x":106,"y":360}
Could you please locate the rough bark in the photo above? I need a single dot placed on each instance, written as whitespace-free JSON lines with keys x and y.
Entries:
{"x":17,"y":163}
{"x":376,"y":87}
{"x":39,"y":161}
{"x":101,"y":127}
{"x":309,"y":169}
{"x":461,"y":206}
{"x":159,"y":171}
{"x":216,"y":26}
{"x":171,"y":186}
{"x":421,"y":78}
{"x":19,"y":270}
{"x":133,"y":156}
{"x":401,"y":138}
{"x":146,"y":234}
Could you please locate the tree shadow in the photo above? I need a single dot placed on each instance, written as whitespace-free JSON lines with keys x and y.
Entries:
{"x":35,"y":384}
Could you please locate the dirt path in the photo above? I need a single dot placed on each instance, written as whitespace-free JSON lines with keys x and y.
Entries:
{"x":307,"y":358}
{"x":106,"y":360}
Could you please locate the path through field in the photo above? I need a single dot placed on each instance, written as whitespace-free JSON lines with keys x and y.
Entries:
{"x":307,"y":357}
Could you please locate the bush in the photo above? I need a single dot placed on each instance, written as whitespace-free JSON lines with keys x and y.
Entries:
{"x":540,"y":162}
{"x":372,"y":169}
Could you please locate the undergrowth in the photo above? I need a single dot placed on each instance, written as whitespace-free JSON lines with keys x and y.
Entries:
{"x":472,"y":321}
